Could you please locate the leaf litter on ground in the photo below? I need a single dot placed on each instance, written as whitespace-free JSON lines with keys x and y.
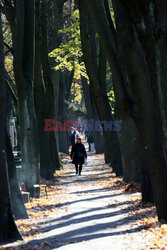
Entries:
{"x":50,"y":205}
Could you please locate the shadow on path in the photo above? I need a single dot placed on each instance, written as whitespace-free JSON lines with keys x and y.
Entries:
{"x":100,"y":213}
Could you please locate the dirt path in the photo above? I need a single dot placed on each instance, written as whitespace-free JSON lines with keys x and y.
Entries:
{"x":91,"y":216}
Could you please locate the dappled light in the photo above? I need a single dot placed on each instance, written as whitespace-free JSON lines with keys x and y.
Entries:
{"x":92,"y":207}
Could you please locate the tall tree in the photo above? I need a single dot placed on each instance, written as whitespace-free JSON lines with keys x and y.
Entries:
{"x":98,"y":91}
{"x":126,"y":53}
{"x":18,"y":206}
{"x":55,"y":23}
{"x":49,"y":84}
{"x":24,"y":77}
{"x":8,"y":229}
{"x":153,"y":17}
{"x":44,"y":96}
{"x":142,"y":108}
{"x":92,"y":114}
{"x":146,"y":118}
{"x":66,"y":78}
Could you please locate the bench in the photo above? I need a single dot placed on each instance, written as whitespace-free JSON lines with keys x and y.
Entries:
{"x":37,"y":190}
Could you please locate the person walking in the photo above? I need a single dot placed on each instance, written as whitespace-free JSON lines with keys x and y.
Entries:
{"x":72,"y":138}
{"x":86,"y":134}
{"x":78,"y":153}
{"x":90,"y":140}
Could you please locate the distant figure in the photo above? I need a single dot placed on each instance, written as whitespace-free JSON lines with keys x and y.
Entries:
{"x":77,"y":134}
{"x":82,"y":129}
{"x":13,"y":132}
{"x":79,"y":128}
{"x":72,"y":138}
{"x":90,"y":140}
{"x":78,"y":153}
{"x":86,"y":134}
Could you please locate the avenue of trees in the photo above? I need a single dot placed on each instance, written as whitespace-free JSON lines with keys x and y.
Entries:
{"x":71,"y":60}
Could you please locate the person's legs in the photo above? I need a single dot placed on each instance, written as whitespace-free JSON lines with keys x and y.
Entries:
{"x":76,"y":168}
{"x":89,"y":146}
{"x":80,"y":168}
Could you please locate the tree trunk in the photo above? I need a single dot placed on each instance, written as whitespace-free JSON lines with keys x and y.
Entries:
{"x":100,"y":98}
{"x":127,"y":52}
{"x":131,"y":151}
{"x":50,"y":95}
{"x":107,"y":38}
{"x":23,"y":70}
{"x":42,"y":107}
{"x":8,"y":229}
{"x":18,"y":206}
{"x":63,"y":143}
{"x":55,"y":23}
{"x":92,"y":114}
{"x":145,"y":116}
{"x":152,"y":36}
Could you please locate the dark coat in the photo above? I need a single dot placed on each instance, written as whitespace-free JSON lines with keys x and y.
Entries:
{"x":75,"y":153}
{"x":90,"y":138}
{"x":72,"y":139}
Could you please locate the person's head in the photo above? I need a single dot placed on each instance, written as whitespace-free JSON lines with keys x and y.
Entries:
{"x":78,"y":140}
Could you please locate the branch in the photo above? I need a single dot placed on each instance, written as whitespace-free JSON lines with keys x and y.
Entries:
{"x":107,"y":10}
{"x":98,"y":15}
{"x":11,"y":86}
{"x":9,"y":11}
{"x":9,"y":48}
{"x":2,"y":9}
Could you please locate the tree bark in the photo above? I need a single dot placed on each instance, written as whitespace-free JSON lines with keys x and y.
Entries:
{"x":55,"y":23}
{"x":92,"y":114}
{"x":42,"y":107}
{"x":99,"y":96}
{"x":145,"y":117}
{"x":64,"y":90}
{"x":23,"y":71}
{"x":129,"y":134}
{"x":131,"y":151}
{"x":18,"y":206}
{"x":150,"y":19}
{"x":8,"y":229}
{"x":50,"y":94}
{"x":107,"y":38}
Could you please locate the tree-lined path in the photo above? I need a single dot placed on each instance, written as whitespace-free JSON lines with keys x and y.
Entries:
{"x":90,"y":211}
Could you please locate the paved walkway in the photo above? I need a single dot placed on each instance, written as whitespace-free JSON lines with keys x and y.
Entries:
{"x":92,"y":217}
